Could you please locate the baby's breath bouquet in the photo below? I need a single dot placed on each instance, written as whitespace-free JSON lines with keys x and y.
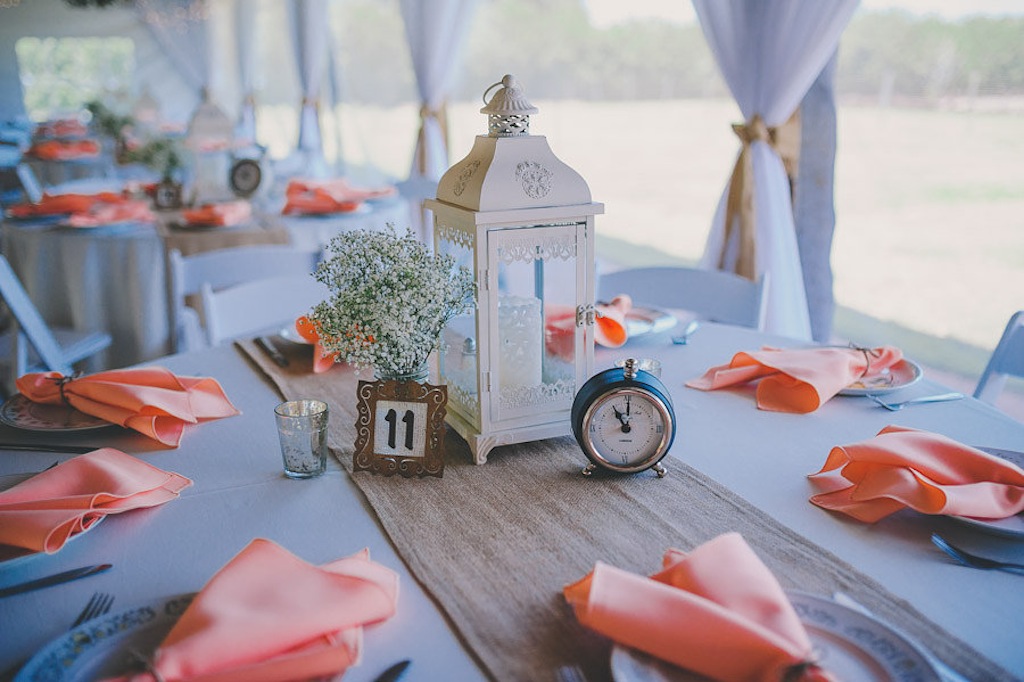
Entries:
{"x":390,"y":298}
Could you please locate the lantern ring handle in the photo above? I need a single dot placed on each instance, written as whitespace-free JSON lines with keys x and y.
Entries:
{"x":488,"y":90}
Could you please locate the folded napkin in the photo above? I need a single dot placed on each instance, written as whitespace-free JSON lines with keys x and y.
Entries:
{"x":802,"y":379}
{"x":48,"y":509}
{"x":323,"y":360}
{"x":64,"y":150}
{"x":151,"y":400}
{"x":64,"y":127}
{"x":933,"y":474}
{"x":340,"y":190}
{"x":718,"y":611}
{"x":62,"y":204}
{"x":318,"y":198}
{"x":222,"y":215}
{"x":269,"y":616}
{"x":109,"y":213}
{"x":609,"y":326}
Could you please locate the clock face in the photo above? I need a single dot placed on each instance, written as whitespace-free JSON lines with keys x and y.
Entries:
{"x":246,"y":176}
{"x":627,"y":429}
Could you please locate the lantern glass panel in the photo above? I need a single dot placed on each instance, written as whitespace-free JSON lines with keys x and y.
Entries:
{"x":535,"y":277}
{"x":459,"y":355}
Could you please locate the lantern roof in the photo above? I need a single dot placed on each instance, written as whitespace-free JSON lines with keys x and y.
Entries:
{"x":509,"y":168}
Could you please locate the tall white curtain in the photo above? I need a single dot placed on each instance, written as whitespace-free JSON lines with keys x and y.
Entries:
{"x":436,"y":31}
{"x":245,"y":44}
{"x":311,"y":39}
{"x":180,"y":27}
{"x":770,"y":52}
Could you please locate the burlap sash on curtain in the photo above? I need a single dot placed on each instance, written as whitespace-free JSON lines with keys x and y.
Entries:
{"x":740,"y":218}
{"x":494,"y":544}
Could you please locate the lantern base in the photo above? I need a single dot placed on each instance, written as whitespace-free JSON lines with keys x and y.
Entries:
{"x":481,"y":444}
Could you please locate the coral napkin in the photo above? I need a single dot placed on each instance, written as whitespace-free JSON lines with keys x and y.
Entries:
{"x":108,"y":213}
{"x":64,"y":150}
{"x":48,"y":509}
{"x":933,"y":474}
{"x":718,"y":611}
{"x":222,"y":215}
{"x":60,"y":204}
{"x":151,"y":400}
{"x":268,"y":615}
{"x":323,"y":360}
{"x":609,"y":326}
{"x":799,"y":380}
{"x":340,"y":189}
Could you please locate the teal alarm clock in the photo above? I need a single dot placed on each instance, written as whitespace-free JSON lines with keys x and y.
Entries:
{"x":623,"y":420}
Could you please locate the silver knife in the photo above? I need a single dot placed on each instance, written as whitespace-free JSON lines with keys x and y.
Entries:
{"x":270,"y":349}
{"x":394,"y":672}
{"x":48,"y":581}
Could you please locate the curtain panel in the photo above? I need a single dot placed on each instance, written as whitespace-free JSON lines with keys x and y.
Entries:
{"x":310,"y":40}
{"x":769,"y":53}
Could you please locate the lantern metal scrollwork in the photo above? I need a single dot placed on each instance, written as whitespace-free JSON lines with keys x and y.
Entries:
{"x":523,"y":222}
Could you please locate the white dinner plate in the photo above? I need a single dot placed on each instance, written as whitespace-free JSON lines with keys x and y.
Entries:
{"x":21,"y":413}
{"x":100,"y":648}
{"x":641,"y":320}
{"x":291,"y":334}
{"x":1012,"y":526}
{"x":848,"y":643}
{"x":902,"y":374}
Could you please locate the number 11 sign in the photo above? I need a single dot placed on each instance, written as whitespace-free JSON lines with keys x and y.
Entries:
{"x":400,"y":428}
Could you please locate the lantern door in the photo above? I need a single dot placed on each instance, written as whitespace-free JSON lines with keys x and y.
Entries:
{"x":536,"y":282}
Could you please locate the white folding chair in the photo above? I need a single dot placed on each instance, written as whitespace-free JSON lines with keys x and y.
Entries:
{"x":258,"y":306}
{"x":30,"y":344}
{"x":1007,"y":360}
{"x":222,"y":268}
{"x":713,"y":295}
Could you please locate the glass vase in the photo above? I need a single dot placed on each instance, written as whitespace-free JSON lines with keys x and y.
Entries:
{"x":419,"y":374}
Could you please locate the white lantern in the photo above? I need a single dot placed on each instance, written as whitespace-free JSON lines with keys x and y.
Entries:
{"x":209,"y":139}
{"x":523,"y":221}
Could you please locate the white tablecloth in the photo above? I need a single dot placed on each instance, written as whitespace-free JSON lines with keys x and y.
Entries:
{"x":240,"y":493}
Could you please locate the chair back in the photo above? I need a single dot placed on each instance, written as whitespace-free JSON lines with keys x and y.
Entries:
{"x":28,"y":325}
{"x":259,"y":305}
{"x":713,"y":295}
{"x":221,"y":268}
{"x":1006,"y":360}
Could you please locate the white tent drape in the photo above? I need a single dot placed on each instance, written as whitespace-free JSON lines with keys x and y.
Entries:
{"x":436,"y":31}
{"x":245,"y":43}
{"x":310,"y":39}
{"x":180,"y":28}
{"x":770,"y":52}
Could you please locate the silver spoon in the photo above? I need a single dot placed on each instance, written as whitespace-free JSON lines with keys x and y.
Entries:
{"x":973,"y":560}
{"x":896,"y":407}
{"x":684,"y":338}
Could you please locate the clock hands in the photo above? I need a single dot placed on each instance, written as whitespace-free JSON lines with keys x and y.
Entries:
{"x":623,"y":418}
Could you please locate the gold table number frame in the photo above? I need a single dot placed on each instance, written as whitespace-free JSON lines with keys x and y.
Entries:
{"x":400,"y":428}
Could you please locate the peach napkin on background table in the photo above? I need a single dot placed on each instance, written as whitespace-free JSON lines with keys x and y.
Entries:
{"x":108,"y":213}
{"x":340,"y":189}
{"x":928,"y":472}
{"x":151,"y":400}
{"x":64,"y":150}
{"x":717,"y":611}
{"x":798,"y":380}
{"x":47,"y":510}
{"x":224,"y":214}
{"x":61,"y":204}
{"x":269,"y":616}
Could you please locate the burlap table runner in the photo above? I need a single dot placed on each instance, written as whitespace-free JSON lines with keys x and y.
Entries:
{"x":494,"y":544}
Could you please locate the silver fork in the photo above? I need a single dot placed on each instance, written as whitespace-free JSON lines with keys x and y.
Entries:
{"x":973,"y":560}
{"x":896,"y":407}
{"x":98,"y":605}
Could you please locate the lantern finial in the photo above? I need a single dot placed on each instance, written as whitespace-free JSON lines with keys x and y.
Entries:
{"x":508,"y":112}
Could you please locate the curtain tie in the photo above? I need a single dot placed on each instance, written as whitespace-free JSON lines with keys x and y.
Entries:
{"x":739,"y":209}
{"x":438,"y":113}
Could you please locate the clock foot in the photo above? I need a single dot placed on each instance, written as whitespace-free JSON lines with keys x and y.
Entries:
{"x":660,"y":470}
{"x":588,"y":470}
